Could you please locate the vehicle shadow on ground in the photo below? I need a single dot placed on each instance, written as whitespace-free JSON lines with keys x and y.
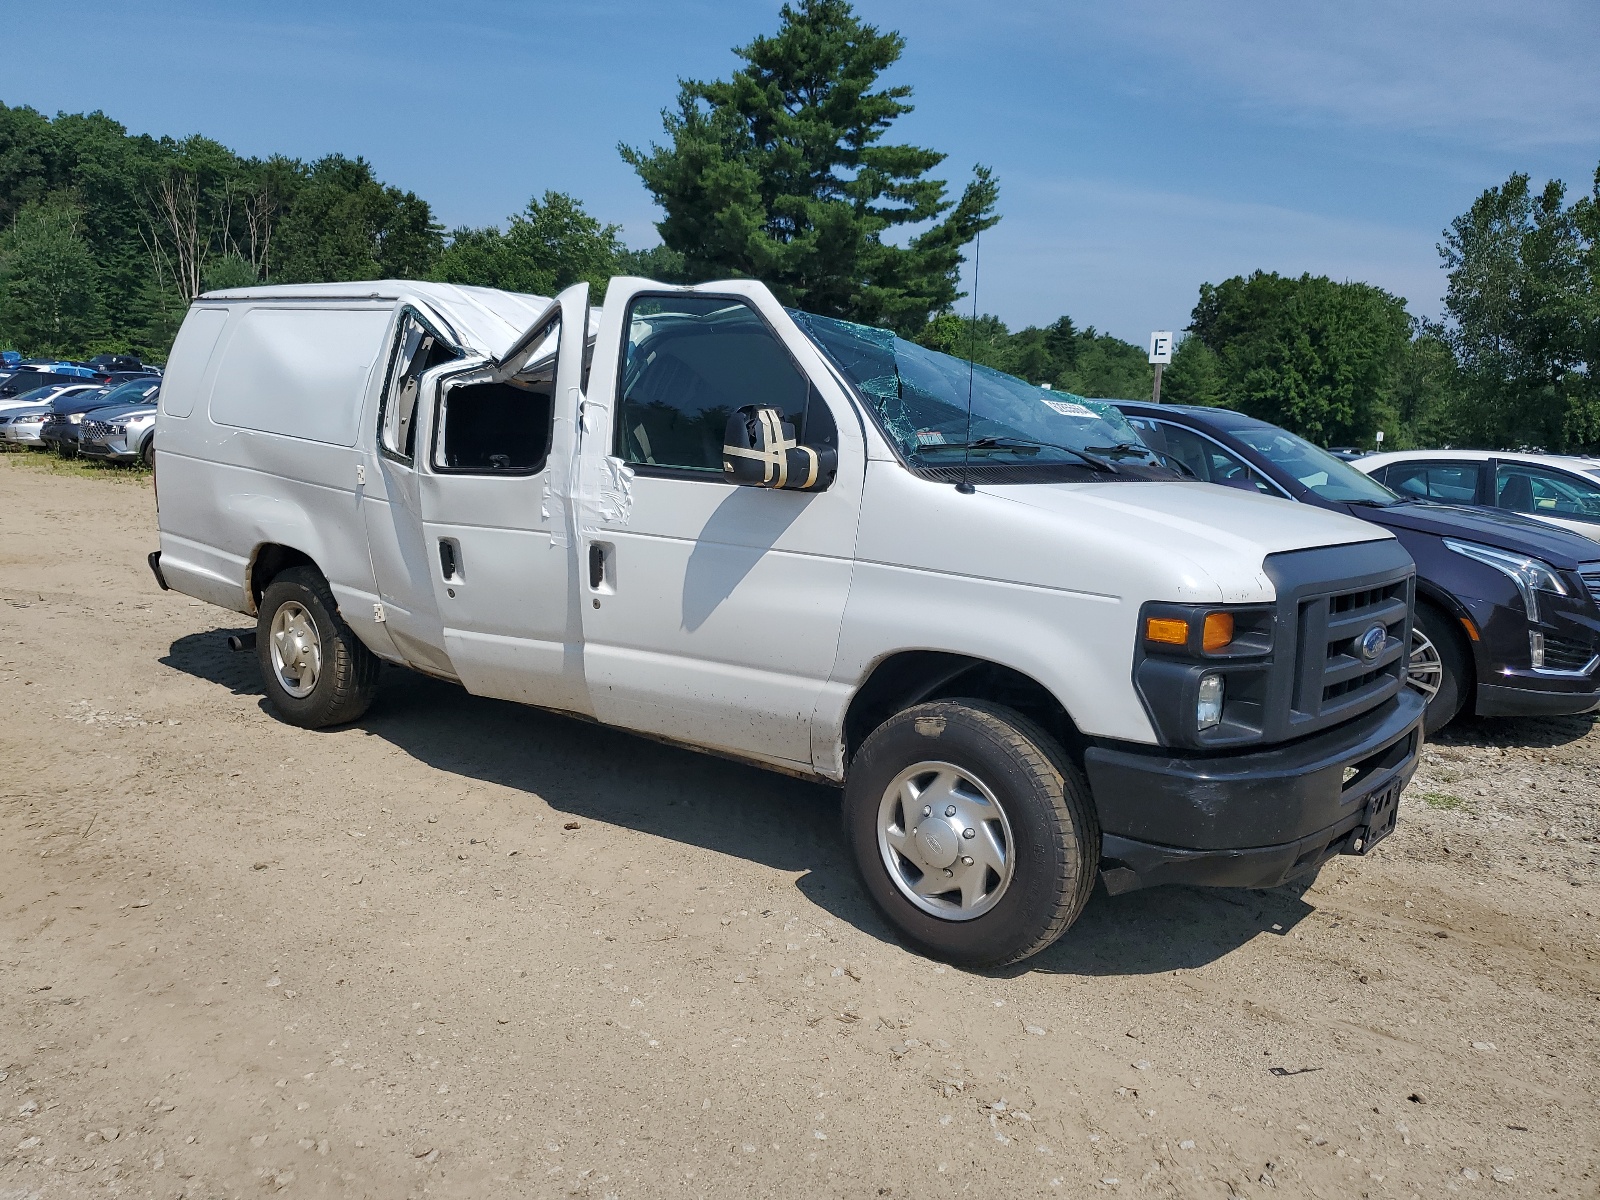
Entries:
{"x":206,"y":656}
{"x":1170,"y":928}
{"x":591,"y":772}
{"x":1525,"y":733}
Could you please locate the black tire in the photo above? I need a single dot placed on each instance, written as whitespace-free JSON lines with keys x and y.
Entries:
{"x":347,"y":676}
{"x":147,"y":452}
{"x":1455,"y":668}
{"x":1055,"y":834}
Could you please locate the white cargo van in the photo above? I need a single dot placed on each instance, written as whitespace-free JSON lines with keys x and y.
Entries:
{"x":1032,"y":655}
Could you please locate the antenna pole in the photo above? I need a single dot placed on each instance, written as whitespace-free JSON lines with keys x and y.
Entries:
{"x":965,"y":486}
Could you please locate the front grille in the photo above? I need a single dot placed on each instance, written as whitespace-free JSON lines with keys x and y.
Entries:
{"x":1590,"y":573}
{"x":1333,"y":677}
{"x":94,"y":431}
{"x":1564,"y":654}
{"x":54,"y":419}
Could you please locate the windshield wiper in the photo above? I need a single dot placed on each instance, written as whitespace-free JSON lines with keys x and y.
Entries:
{"x":1016,"y":443}
{"x":1123,"y":449}
{"x":1376,"y":503}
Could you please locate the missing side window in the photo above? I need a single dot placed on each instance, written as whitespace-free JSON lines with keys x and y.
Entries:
{"x":501,"y":427}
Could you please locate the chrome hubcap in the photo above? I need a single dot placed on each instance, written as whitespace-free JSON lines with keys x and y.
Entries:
{"x":1425,"y":670}
{"x":945,"y":841}
{"x":296,"y":649}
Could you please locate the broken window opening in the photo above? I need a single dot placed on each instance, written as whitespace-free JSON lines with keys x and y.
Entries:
{"x":502,"y":427}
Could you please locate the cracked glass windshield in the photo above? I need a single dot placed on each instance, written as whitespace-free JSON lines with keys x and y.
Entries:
{"x":920,"y":396}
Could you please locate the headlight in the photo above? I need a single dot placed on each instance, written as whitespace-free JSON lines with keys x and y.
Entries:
{"x":116,"y":430}
{"x":1529,"y":574}
{"x":1191,"y":630}
{"x":1208,"y":705}
{"x":75,"y":418}
{"x":1202,"y":671}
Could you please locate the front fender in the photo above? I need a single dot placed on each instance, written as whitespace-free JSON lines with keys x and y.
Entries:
{"x":1077,"y":645}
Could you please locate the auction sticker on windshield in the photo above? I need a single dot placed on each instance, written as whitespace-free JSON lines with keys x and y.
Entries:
{"x":1067,"y":409}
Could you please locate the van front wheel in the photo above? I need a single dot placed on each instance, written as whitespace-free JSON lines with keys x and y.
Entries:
{"x":974,"y":833}
{"x":317,"y":672}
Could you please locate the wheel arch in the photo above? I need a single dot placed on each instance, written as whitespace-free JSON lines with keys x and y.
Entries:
{"x":269,"y":560}
{"x":1455,"y":621}
{"x":1456,"y":616}
{"x":908,"y":677}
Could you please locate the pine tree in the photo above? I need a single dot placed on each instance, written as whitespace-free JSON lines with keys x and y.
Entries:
{"x":780,"y":173}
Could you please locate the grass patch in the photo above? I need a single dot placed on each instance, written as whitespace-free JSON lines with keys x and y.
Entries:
{"x":1442,"y":800}
{"x":51,"y":463}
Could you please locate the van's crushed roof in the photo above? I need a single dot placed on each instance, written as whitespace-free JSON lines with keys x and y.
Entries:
{"x":483,"y":319}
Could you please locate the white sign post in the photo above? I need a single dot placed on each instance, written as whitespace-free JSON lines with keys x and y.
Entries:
{"x":1160,"y":356}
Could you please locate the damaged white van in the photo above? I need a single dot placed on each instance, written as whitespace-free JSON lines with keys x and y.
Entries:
{"x":1032,"y":655}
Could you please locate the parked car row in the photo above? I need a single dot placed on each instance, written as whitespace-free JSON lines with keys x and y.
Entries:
{"x":115,"y":422}
{"x":19,"y":375}
{"x":1508,"y":607}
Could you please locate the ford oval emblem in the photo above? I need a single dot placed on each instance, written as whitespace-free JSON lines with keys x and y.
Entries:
{"x":1372,"y":642}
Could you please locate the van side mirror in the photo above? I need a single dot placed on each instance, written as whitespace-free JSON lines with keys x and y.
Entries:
{"x":759,"y":450}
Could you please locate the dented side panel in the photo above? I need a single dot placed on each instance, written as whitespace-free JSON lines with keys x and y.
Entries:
{"x":228,"y":489}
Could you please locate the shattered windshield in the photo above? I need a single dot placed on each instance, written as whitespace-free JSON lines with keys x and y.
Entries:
{"x":921,"y":397}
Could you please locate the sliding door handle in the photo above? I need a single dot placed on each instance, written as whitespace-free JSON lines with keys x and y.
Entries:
{"x":597,"y":566}
{"x":449,"y":564}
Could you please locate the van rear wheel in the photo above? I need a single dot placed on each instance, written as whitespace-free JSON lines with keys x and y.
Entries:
{"x":974,"y":833}
{"x":317,"y":672}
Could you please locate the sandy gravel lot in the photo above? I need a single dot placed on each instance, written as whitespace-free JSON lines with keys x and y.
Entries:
{"x":464,"y":949}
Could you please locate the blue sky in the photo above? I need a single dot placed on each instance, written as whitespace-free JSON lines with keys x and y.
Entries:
{"x":1142,"y":147}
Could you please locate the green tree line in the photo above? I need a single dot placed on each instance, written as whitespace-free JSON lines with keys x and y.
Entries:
{"x":785,"y":172}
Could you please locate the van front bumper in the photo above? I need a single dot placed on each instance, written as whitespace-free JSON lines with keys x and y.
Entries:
{"x":1253,"y":819}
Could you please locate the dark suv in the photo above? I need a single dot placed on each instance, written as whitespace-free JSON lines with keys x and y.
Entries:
{"x":1508,"y":609}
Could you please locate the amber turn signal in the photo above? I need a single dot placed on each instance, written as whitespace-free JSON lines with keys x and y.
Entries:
{"x":1166,"y":631}
{"x":1217,"y":633}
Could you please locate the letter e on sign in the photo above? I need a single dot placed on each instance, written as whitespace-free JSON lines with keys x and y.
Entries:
{"x":1161,"y":346}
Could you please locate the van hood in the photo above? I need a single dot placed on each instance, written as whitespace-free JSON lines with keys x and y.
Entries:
{"x":1198,"y":516}
{"x":1179,"y":542}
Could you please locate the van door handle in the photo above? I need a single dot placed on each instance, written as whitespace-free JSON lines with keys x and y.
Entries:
{"x":597,"y":565}
{"x":447,"y":558}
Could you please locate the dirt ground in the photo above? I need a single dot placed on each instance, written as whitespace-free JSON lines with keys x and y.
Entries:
{"x":465,"y":949}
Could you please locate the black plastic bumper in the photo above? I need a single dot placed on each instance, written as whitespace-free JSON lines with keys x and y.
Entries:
{"x":1253,"y":819}
{"x":155,"y":569}
{"x":1497,"y":700}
